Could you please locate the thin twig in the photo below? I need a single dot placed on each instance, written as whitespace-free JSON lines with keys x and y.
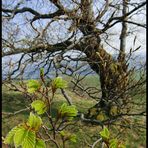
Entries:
{"x":66,"y":97}
{"x":96,"y":142}
{"x":16,"y":112}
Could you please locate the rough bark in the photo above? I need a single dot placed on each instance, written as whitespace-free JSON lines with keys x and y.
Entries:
{"x":113,"y":73}
{"x":113,"y":78}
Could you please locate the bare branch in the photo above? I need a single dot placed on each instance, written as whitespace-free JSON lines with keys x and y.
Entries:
{"x":93,"y":146}
{"x":66,"y":97}
{"x":121,"y":18}
{"x":16,"y":112}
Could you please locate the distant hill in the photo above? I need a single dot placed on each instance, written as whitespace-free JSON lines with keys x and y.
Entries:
{"x":31,"y":73}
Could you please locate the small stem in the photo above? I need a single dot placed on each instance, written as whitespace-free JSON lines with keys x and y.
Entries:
{"x":16,"y":112}
{"x":52,"y":124}
{"x":63,"y":142}
{"x":96,"y":142}
{"x":66,"y":97}
{"x":53,"y":140}
{"x":103,"y":145}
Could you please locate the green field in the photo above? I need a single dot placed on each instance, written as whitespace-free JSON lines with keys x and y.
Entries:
{"x":13,"y":101}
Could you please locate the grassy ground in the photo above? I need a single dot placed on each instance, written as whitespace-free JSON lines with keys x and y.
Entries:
{"x":13,"y":101}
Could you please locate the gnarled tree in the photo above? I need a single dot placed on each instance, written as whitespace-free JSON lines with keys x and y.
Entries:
{"x":56,"y":27}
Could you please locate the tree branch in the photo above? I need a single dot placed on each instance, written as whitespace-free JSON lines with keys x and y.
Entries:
{"x":103,"y":11}
{"x":16,"y":112}
{"x":66,"y":97}
{"x":38,"y":48}
{"x":120,"y":18}
{"x":134,"y":23}
{"x":93,"y":146}
{"x":123,"y":35}
{"x":36,"y":14}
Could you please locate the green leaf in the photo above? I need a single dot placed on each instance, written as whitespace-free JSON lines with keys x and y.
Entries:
{"x":40,"y":143}
{"x":34,"y":121}
{"x":33,"y":85}
{"x":105,"y":134}
{"x":62,"y":133}
{"x":73,"y":138}
{"x":113,"y":143}
{"x":10,"y":135}
{"x":19,"y":136}
{"x":39,"y":106}
{"x":67,"y":111}
{"x":58,"y":82}
{"x":29,"y":140}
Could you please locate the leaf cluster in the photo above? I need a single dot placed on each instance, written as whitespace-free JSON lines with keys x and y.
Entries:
{"x":110,"y":142}
{"x":67,"y":112}
{"x":25,"y":134}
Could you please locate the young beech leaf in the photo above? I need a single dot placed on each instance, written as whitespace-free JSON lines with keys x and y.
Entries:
{"x":34,"y":121}
{"x":39,"y":106}
{"x":40,"y":143}
{"x":19,"y":136}
{"x":58,"y":82}
{"x":73,"y":138}
{"x":62,"y":133}
{"x":10,"y":135}
{"x":113,"y":143}
{"x":105,"y":134}
{"x":33,"y":85}
{"x":67,"y":111}
{"x":29,"y":140}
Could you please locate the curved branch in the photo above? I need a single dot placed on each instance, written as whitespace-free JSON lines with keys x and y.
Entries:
{"x":94,"y":144}
{"x":103,"y":11}
{"x":138,"y":24}
{"x":25,"y":9}
{"x":36,"y":14}
{"x":38,"y":48}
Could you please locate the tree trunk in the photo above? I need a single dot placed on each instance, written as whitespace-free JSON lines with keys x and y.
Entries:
{"x":113,"y":73}
{"x":113,"y":77}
